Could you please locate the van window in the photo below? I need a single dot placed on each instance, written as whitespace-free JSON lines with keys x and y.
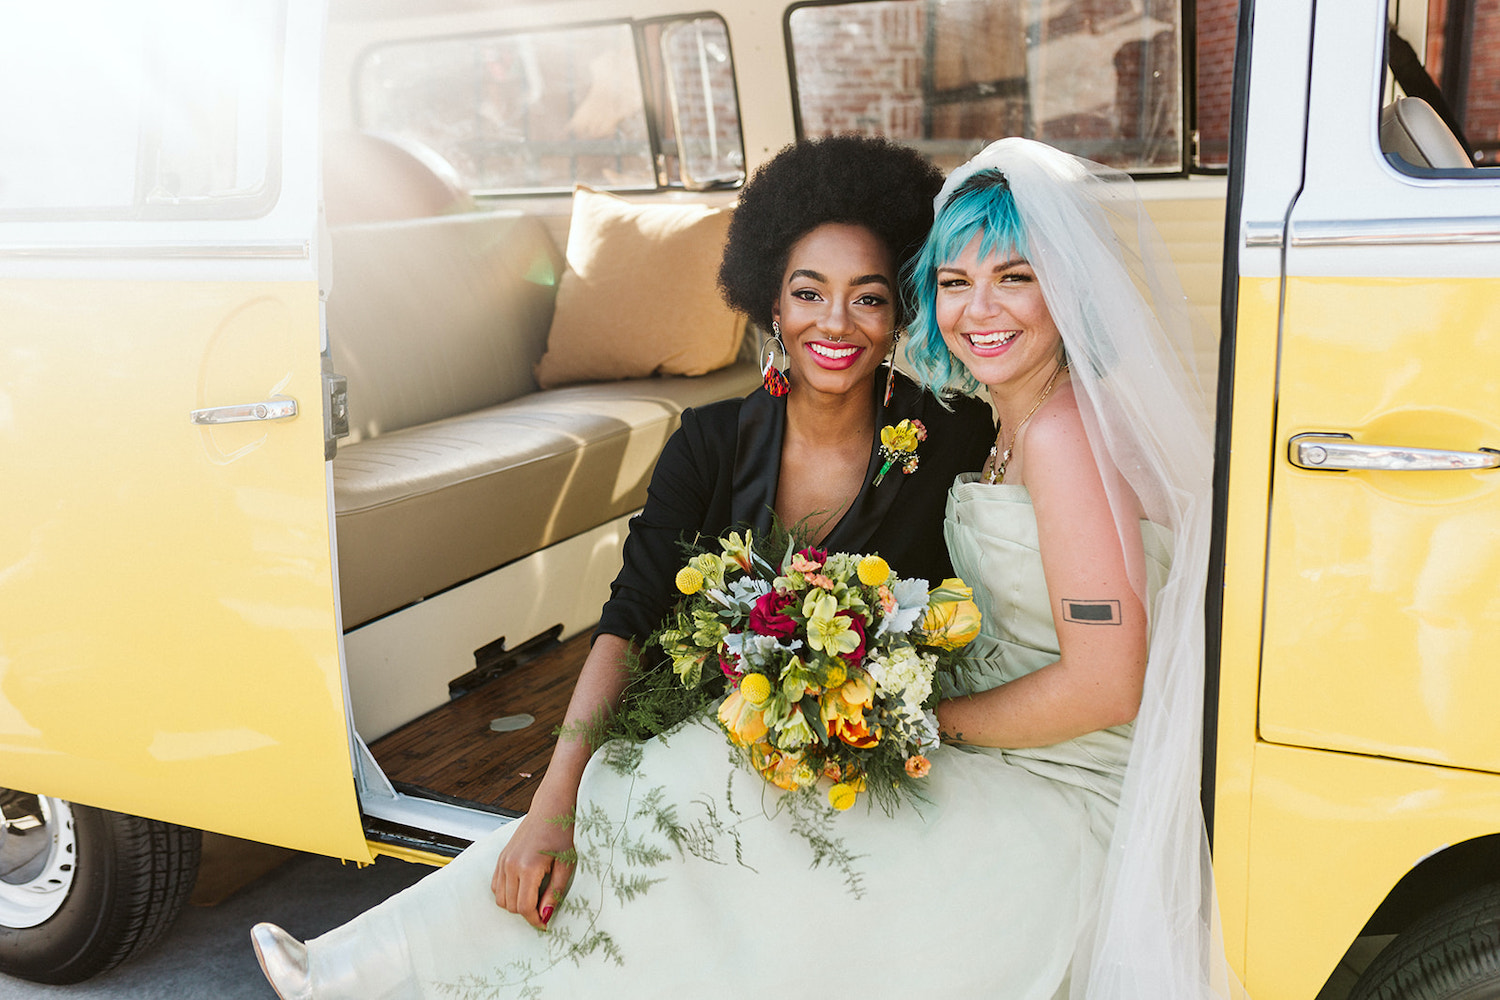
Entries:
{"x":701,"y":136}
{"x":166,"y":110}
{"x":1099,"y":78}
{"x":1443,"y":85}
{"x":532,"y":111}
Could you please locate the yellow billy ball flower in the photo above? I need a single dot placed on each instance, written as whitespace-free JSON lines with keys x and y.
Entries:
{"x":842,"y":796}
{"x":873,"y":571}
{"x":689,"y":580}
{"x":755,"y":688}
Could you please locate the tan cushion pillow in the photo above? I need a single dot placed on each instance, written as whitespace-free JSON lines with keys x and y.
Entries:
{"x":638,"y":296}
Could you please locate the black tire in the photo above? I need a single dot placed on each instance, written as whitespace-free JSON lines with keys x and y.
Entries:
{"x":121,"y":881}
{"x":1452,"y":953}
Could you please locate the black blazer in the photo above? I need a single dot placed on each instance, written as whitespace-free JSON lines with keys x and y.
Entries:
{"x":720,"y":470}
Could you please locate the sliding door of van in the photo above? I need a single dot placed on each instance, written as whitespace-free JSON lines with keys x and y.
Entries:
{"x":169,"y":644}
{"x":1382,"y":615}
{"x":1377,"y":684}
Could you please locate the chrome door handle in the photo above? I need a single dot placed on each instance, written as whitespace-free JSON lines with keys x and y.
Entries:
{"x":275,"y":408}
{"x":1339,"y":453}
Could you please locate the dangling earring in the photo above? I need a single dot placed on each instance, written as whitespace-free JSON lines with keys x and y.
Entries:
{"x":890,"y":375}
{"x":773,"y":363}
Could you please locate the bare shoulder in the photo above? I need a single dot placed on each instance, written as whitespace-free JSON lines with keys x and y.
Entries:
{"x":1056,"y":447}
{"x":1060,"y":463}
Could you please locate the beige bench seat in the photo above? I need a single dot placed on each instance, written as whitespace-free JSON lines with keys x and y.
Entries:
{"x":457,"y":462}
{"x":422,"y":509}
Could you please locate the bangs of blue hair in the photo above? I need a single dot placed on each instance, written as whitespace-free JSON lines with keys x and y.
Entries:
{"x":983,"y":204}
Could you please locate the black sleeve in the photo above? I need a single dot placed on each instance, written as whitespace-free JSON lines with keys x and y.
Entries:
{"x":688,"y":495}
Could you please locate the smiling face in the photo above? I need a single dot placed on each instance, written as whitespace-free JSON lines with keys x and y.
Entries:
{"x":836,"y":308}
{"x":993,"y":318}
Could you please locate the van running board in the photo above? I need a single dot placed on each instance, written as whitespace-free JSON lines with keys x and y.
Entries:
{"x":407,"y":838}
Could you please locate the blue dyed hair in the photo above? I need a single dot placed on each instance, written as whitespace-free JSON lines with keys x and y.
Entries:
{"x":983,"y":204}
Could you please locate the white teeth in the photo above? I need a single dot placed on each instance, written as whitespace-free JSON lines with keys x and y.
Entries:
{"x":833,"y":353}
{"x":992,"y":339}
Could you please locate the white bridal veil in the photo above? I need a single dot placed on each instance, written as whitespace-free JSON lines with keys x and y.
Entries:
{"x":1115,"y":297}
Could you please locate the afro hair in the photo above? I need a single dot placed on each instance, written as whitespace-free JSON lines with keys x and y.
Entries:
{"x":863,"y":180}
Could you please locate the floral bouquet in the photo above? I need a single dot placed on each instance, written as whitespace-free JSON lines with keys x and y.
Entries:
{"x":826,"y":661}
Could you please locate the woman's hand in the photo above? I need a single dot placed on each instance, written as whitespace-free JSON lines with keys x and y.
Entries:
{"x":530,"y":877}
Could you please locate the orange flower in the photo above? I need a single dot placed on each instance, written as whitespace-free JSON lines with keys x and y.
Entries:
{"x":745,"y":722}
{"x":856,"y":734}
{"x":918,"y":766}
{"x":782,"y":768}
{"x":843,"y":711}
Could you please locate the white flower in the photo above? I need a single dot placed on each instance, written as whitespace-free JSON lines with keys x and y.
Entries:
{"x":746,"y":590}
{"x":758,"y":650}
{"x":902,"y":674}
{"x":911,"y":605}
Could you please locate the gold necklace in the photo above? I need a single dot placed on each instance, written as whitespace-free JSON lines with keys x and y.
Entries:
{"x":997,"y":467}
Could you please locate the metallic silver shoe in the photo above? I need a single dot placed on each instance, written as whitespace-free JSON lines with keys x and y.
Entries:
{"x":283,"y":959}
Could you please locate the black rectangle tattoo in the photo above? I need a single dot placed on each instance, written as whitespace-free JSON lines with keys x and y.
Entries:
{"x":1091,"y":612}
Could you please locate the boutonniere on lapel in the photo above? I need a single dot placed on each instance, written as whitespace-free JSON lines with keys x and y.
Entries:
{"x":899,"y":444}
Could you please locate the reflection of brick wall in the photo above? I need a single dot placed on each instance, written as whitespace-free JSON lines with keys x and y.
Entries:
{"x":1217,"y":21}
{"x":685,"y":68}
{"x":1481,"y":106}
{"x":1481,"y":98}
{"x":860,"y":68}
{"x":842,"y":89}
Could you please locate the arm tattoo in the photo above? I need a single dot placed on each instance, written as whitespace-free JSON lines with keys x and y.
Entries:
{"x":1091,"y":612}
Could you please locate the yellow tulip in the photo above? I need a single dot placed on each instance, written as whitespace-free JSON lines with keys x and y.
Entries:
{"x":952,"y":618}
{"x":745,"y":722}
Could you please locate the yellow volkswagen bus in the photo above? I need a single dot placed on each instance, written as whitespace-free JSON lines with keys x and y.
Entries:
{"x":321,"y":414}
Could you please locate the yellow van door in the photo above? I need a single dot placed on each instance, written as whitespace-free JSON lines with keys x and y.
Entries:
{"x":169,"y":643}
{"x":1382,"y":614}
{"x":1377,"y":686}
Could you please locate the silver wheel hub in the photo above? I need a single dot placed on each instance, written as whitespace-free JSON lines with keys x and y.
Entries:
{"x":38,"y":857}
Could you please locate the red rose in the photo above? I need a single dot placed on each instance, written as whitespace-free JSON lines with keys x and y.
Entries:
{"x":768,"y":616}
{"x":856,"y":623}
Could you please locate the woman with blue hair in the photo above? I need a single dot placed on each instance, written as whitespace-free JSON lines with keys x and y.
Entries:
{"x":1085,"y":536}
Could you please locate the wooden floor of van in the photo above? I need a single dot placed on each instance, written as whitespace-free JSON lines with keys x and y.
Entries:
{"x":454,"y":752}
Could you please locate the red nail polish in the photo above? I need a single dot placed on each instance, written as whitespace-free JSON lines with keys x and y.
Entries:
{"x":546,"y":913}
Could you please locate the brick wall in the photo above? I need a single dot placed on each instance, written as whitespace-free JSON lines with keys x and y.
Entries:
{"x":1093,"y":76}
{"x":1481,"y":97}
{"x":1217,"y":23}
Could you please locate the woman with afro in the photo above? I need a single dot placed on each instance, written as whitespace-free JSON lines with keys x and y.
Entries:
{"x":815,"y":255}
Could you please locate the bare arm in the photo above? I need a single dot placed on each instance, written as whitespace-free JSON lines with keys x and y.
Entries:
{"x":1096,"y":681}
{"x":529,"y":879}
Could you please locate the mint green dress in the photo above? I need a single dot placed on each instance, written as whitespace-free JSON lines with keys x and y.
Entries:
{"x":696,"y":878}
